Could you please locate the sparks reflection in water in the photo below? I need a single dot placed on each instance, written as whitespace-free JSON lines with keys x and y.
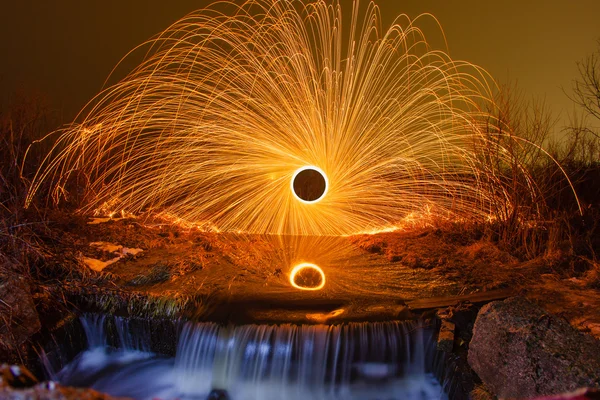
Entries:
{"x":212,"y":125}
{"x":351,"y":271}
{"x":307,"y":276}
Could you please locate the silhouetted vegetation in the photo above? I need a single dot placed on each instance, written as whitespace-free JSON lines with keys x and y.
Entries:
{"x":562,"y":223}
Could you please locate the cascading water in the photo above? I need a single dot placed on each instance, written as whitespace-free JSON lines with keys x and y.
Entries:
{"x":389,"y":360}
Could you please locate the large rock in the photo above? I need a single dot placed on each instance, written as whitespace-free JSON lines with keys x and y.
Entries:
{"x":18,"y":317}
{"x":520,"y":351}
{"x":53,"y":391}
{"x":17,"y":383}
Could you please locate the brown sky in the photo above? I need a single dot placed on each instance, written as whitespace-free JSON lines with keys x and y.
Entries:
{"x":66,"y":48}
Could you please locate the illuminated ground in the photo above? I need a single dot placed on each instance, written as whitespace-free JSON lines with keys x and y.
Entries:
{"x":371,"y":276}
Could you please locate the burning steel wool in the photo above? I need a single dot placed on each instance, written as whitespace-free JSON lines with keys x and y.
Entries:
{"x":281,"y":117}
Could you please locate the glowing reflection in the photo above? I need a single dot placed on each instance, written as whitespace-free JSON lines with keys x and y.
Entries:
{"x":307,"y":276}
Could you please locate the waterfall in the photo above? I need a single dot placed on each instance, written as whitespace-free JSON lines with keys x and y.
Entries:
{"x":391,"y":360}
{"x":133,"y":335}
{"x":94,"y":327}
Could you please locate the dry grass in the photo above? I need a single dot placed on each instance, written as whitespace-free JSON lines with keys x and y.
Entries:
{"x":563,"y":209}
{"x":21,"y":246}
{"x":34,"y":243}
{"x":591,"y":277}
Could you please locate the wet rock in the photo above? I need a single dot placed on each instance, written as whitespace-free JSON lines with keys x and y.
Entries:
{"x":16,"y":376}
{"x":520,"y":351}
{"x":18,"y":314}
{"x":403,"y":313}
{"x":459,"y":379}
{"x":445,"y":340}
{"x":218,"y":394}
{"x":463,"y":316}
{"x":53,"y":391}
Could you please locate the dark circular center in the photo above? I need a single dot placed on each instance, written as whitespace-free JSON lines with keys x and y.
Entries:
{"x":308,"y":278}
{"x":309,"y":185}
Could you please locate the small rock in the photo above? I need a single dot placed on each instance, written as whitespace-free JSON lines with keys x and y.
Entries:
{"x":395,"y":257}
{"x":17,"y":376}
{"x":374,"y":248}
{"x":218,"y":394}
{"x":412,"y":261}
{"x":404,"y":313}
{"x":445,"y":340}
{"x":463,"y":316}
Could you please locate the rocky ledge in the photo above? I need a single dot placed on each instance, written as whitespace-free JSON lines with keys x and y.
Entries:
{"x":17,"y":383}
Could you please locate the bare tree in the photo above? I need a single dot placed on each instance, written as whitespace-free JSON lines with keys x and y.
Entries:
{"x":586,"y":89}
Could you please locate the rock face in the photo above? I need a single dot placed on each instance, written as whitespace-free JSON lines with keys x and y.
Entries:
{"x":53,"y":391}
{"x":520,"y":351}
{"x":18,"y":316}
{"x":17,"y":383}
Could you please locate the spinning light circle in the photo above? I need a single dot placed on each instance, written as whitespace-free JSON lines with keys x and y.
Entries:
{"x":309,"y":184}
{"x":307,"y":276}
{"x":227,"y":105}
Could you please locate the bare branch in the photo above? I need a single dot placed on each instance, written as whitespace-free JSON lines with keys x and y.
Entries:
{"x":586,"y":89}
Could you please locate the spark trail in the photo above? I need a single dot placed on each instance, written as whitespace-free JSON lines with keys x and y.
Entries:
{"x":213,"y":125}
